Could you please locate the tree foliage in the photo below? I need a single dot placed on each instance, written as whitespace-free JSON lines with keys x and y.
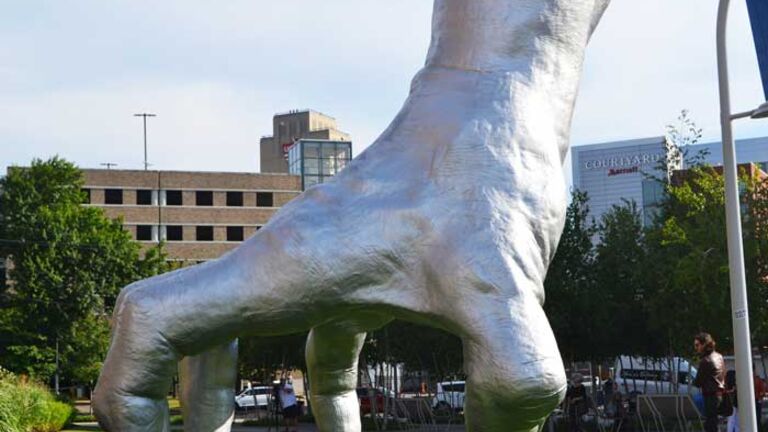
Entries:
{"x":417,"y":347}
{"x":622,"y":282}
{"x":570,"y":283}
{"x":617,"y":287}
{"x":596,"y":284}
{"x":690,"y":256}
{"x":69,"y":262}
{"x":260,"y":357}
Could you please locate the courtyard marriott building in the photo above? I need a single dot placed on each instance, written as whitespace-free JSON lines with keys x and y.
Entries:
{"x":612,"y":172}
{"x":200,"y":215}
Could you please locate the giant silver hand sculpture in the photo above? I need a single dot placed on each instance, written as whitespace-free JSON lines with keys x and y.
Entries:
{"x":449,"y":219}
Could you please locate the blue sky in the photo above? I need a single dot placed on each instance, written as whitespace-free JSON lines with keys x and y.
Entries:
{"x":73,"y":73}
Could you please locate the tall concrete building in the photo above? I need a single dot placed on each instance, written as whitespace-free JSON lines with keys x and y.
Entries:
{"x":752,"y":150}
{"x":291,"y":126}
{"x":612,"y":172}
{"x":616,"y":171}
{"x":200,"y":215}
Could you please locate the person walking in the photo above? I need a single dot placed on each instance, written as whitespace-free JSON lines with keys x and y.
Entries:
{"x":289,"y":404}
{"x":710,"y":378}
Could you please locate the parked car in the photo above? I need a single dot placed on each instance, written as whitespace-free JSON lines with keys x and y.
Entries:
{"x":449,"y":396}
{"x":254,"y":397}
{"x":378,"y":395}
{"x":636,"y":375}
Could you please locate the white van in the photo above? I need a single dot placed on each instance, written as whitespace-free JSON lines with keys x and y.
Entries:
{"x":449,"y":396}
{"x":637,"y":375}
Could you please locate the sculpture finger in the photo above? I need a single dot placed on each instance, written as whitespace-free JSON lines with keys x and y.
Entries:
{"x":207,"y":389}
{"x":136,"y":376}
{"x":515,"y":375}
{"x":159,"y":320}
{"x":332,"y":354}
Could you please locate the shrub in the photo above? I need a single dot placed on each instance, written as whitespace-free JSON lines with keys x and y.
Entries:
{"x":26,"y":406}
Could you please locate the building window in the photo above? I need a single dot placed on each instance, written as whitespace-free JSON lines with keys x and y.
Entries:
{"x":174,"y":233}
{"x":235,"y":233}
{"x":86,"y":195}
{"x":318,"y":161}
{"x":173,"y":198}
{"x":144,"y":232}
{"x":204,"y":198}
{"x":653,"y":192}
{"x":264,"y":199}
{"x":653,"y":197}
{"x":234,"y":199}
{"x":143,"y":197}
{"x":204,"y":233}
{"x":113,"y":196}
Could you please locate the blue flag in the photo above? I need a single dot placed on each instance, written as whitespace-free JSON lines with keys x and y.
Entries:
{"x":758,"y":15}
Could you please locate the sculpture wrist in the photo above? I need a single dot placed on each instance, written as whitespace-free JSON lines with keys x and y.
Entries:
{"x":497,"y":35}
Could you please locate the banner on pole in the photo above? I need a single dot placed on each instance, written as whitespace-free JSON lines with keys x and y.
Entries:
{"x":758,"y":15}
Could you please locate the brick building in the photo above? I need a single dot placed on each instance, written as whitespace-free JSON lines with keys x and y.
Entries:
{"x":200,"y":215}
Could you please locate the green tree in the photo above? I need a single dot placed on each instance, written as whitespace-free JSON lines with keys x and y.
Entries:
{"x":621,"y":285}
{"x":570,"y":284}
{"x":260,"y":358}
{"x":417,"y":347}
{"x":690,"y":256}
{"x":69,"y":262}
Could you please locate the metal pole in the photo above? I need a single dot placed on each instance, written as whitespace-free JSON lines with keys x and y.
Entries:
{"x":56,"y":377}
{"x":146,"y":166}
{"x":144,"y":117}
{"x":739,"y":308}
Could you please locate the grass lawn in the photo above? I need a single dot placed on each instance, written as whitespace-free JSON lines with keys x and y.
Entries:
{"x":173,"y":404}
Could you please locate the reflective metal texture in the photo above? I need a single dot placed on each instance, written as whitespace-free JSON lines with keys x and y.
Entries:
{"x":449,"y":219}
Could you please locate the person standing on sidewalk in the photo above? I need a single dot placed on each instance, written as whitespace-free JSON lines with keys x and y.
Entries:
{"x":710,"y":378}
{"x":289,"y":404}
{"x":576,"y":403}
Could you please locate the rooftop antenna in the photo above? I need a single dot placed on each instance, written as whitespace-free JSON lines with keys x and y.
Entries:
{"x":109,"y":165}
{"x":144,"y":117}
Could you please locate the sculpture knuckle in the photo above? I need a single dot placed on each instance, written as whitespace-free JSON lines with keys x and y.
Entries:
{"x":535,"y":395}
{"x":103,"y":406}
{"x":133,"y":302}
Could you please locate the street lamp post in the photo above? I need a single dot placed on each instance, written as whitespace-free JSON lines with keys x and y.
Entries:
{"x":144,"y":117}
{"x":739,"y":307}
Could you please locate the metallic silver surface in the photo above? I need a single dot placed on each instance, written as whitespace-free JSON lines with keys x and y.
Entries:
{"x":449,"y":219}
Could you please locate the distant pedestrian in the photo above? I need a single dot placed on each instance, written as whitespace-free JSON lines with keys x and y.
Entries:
{"x":289,"y":404}
{"x":608,"y":388}
{"x":614,"y":408}
{"x":710,"y":378}
{"x":576,"y":402}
